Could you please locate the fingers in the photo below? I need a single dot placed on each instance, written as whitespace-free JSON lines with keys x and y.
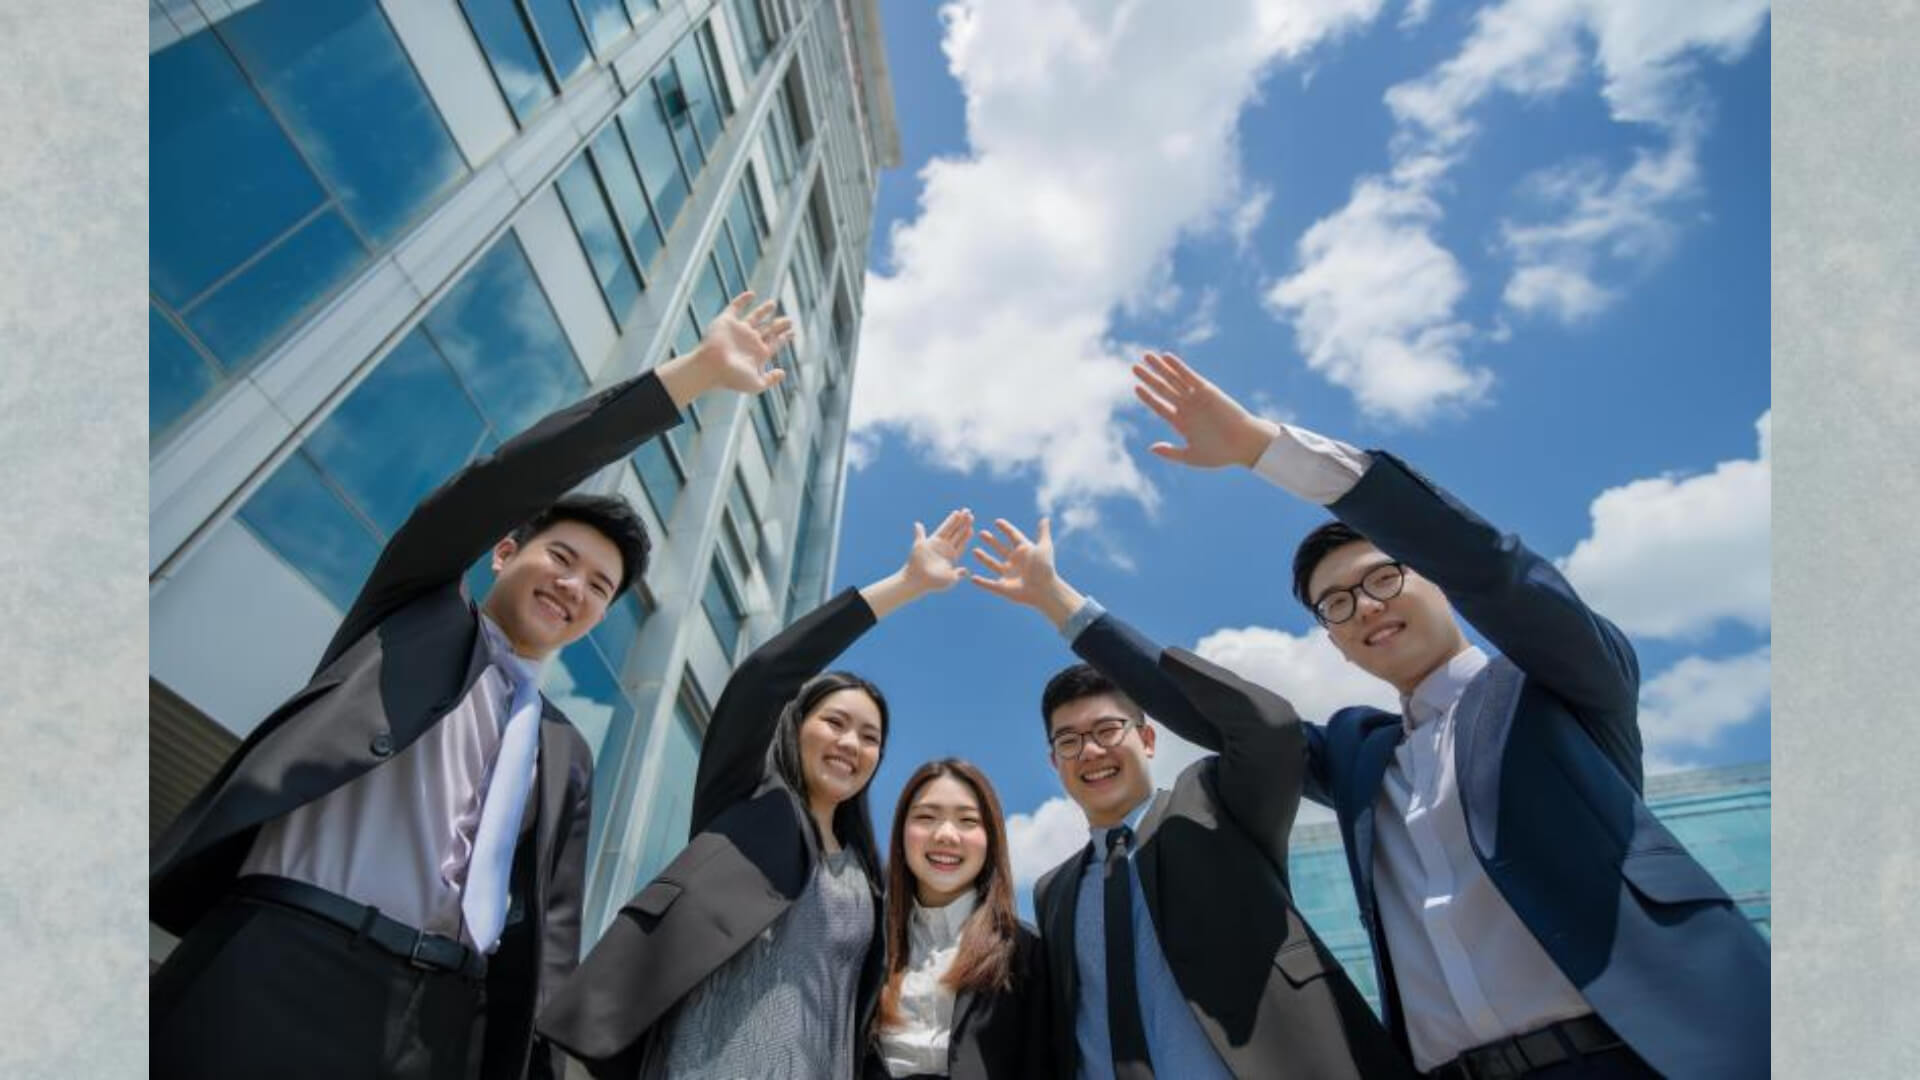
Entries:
{"x":1159,"y":385}
{"x":1170,"y":452}
{"x":1176,"y":374}
{"x":998,"y":566}
{"x":1160,"y":408}
{"x":1046,"y":531}
{"x":919,"y":532}
{"x":1011,"y":530}
{"x":953,"y":531}
{"x":771,"y":379}
{"x":993,"y":542}
{"x":779,"y":328}
{"x":993,"y":585}
{"x":739,"y":303}
{"x":760,"y":315}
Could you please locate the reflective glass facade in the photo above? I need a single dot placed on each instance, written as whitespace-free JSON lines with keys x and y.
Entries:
{"x":1724,"y":816}
{"x":379,"y":251}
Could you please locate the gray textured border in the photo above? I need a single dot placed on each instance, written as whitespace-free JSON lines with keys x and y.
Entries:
{"x":1846,"y":334}
{"x":73,"y":222}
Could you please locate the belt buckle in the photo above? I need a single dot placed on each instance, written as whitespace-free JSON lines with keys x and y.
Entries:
{"x":414,"y":959}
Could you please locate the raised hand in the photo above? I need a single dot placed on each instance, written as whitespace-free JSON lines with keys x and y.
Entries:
{"x":932,"y":566}
{"x":1217,"y":429}
{"x":933,"y":563}
{"x":1025,"y":572}
{"x":736,"y":352}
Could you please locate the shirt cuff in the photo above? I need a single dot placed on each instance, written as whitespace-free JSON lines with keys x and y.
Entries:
{"x":1314,"y":467}
{"x":1081,"y":619}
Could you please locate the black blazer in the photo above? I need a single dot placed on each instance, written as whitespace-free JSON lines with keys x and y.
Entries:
{"x":1213,"y":867}
{"x":408,"y":650}
{"x":999,"y":1036}
{"x":751,"y":856}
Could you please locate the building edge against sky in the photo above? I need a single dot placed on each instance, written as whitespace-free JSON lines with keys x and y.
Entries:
{"x":387,"y":236}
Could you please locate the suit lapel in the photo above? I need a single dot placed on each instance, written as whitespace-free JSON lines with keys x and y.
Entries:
{"x":1481,"y":723}
{"x":1147,"y":862}
{"x":550,"y":786}
{"x":1370,"y":771}
{"x":1057,"y":933}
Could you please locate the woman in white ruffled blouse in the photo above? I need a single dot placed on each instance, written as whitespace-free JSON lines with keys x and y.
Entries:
{"x":966,"y":992}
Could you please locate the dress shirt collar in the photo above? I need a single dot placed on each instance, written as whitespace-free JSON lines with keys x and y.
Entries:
{"x":1438,"y":691}
{"x":514,"y":666}
{"x":941,"y":925}
{"x":1134,"y":816}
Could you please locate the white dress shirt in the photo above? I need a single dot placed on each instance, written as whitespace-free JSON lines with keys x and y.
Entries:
{"x":1468,"y":971}
{"x":919,"y":1043}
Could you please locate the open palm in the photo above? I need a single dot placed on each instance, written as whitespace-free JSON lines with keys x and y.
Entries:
{"x":1023,"y":567}
{"x":933,"y":564}
{"x":745,"y":343}
{"x":1217,"y":430}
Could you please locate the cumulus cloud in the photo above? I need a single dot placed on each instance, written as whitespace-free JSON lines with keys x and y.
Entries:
{"x":1671,"y":556}
{"x":1204,"y":323}
{"x":1098,"y":135}
{"x":1690,"y":705}
{"x":1037,"y":842}
{"x":1646,"y":53}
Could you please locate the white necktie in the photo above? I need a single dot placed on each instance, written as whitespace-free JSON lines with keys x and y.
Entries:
{"x":484,"y":899}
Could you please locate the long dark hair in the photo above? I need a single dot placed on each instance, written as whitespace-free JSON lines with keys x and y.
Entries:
{"x":852,"y":821}
{"x":984,"y":961}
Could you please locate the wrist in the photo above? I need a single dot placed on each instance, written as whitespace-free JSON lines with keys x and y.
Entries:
{"x":891,"y":593}
{"x":1059,"y":602}
{"x":1253,"y":439}
{"x":689,"y":375}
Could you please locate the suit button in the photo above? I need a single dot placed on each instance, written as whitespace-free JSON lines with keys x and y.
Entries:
{"x":382,"y":745}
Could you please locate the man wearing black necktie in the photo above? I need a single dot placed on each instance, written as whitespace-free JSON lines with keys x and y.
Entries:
{"x":1189,"y":960}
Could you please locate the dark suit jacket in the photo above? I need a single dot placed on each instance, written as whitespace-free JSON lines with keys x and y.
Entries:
{"x":1213,"y":866}
{"x":751,"y":857}
{"x":1547,"y":757}
{"x":999,"y":1036}
{"x":408,"y":650}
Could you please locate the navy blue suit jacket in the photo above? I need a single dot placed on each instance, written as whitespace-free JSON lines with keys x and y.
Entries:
{"x":1547,"y":758}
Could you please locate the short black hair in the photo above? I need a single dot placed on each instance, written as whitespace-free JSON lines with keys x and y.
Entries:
{"x":1072,"y":684}
{"x":610,"y":516}
{"x":1319,"y":543}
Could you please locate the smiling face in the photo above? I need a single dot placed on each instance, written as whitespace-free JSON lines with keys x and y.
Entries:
{"x":1402,"y":639}
{"x":551,"y":590}
{"x":1107,"y":781}
{"x":945,"y":840}
{"x":839,"y":746}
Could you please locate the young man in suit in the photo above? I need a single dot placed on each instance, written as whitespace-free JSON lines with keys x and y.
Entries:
{"x":1529,"y":916}
{"x":1173,"y":944}
{"x":385,"y":879}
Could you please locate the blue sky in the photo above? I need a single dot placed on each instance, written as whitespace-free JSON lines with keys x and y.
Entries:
{"x":1524,"y":246}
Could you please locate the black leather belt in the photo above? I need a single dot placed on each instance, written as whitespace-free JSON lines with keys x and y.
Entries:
{"x":417,"y":947}
{"x":1504,"y":1059}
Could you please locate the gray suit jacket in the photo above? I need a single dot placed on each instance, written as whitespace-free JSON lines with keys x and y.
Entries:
{"x":408,"y":650}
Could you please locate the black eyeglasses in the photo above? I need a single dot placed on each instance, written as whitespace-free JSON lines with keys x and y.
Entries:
{"x":1068,"y":745}
{"x":1383,"y":583}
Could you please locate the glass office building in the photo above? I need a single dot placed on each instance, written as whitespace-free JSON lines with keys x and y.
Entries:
{"x":1724,"y":816}
{"x":386,"y":235}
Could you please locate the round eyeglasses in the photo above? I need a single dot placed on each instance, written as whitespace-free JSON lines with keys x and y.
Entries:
{"x":1383,"y":583}
{"x":1068,"y":745}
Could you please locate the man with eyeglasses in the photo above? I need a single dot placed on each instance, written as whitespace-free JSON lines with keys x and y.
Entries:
{"x":1529,"y":916}
{"x":1172,"y":941}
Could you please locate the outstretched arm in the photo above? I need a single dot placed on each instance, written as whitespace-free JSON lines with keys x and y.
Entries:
{"x":1519,"y":600}
{"x":491,"y":497}
{"x":733,"y":757}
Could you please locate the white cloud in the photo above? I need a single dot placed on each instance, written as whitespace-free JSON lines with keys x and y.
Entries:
{"x":1249,"y":216}
{"x":1689,"y":706}
{"x":1099,"y":134}
{"x":1407,"y":363}
{"x":1037,"y":842}
{"x":1204,"y":323}
{"x":1372,"y":304}
{"x":1672,"y":556}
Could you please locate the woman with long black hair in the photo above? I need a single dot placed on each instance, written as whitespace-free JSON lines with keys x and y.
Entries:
{"x":966,"y":991}
{"x":758,"y":950}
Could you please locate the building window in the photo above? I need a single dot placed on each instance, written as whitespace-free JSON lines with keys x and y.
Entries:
{"x":670,"y":807}
{"x":741,"y":526}
{"x":342,"y":151}
{"x":661,"y":476}
{"x":721,"y":601}
{"x":507,"y":40}
{"x":178,"y":374}
{"x":499,"y":332}
{"x":607,"y":22}
{"x":558,"y":28}
{"x":629,"y":198}
{"x":644,"y":120}
{"x":756,"y":43}
{"x":600,"y":237}
{"x":703,"y":101}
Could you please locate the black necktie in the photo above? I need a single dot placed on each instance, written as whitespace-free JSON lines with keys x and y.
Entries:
{"x":1125,"y":1030}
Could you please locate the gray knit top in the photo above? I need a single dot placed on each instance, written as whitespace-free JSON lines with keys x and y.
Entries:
{"x":784,"y":1005}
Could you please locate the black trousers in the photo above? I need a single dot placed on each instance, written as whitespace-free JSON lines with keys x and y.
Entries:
{"x":257,"y":991}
